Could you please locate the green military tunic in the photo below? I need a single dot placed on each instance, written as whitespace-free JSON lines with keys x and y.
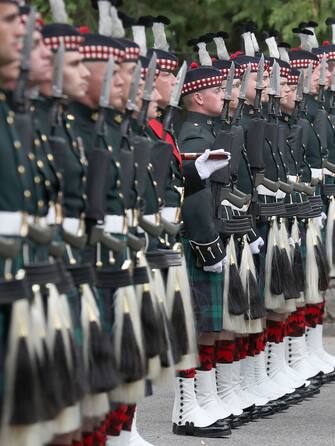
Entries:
{"x":313,"y":154}
{"x":196,"y":135}
{"x":74,"y":166}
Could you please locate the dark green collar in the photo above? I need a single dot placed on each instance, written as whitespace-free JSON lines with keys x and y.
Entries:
{"x":200,"y":118}
{"x":82,"y":112}
{"x":113,"y":117}
{"x":285,"y":117}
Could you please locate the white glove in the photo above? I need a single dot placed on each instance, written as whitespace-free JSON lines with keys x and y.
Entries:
{"x":321,"y":221}
{"x":216,"y":268}
{"x":255,"y":247}
{"x":206,"y":167}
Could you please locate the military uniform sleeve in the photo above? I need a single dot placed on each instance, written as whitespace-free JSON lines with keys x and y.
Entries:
{"x":194,"y":183}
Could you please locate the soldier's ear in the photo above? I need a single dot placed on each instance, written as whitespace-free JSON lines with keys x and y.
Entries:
{"x":198,"y":98}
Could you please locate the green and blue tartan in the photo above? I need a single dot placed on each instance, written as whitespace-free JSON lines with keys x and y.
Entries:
{"x":207,"y":293}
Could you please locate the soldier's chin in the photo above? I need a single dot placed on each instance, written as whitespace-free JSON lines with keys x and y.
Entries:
{"x":9,"y":73}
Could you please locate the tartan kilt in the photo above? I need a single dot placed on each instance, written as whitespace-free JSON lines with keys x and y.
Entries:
{"x":207,"y":293}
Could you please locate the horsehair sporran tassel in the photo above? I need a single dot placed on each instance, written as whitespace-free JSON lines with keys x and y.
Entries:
{"x":149,"y":321}
{"x":276,"y":286}
{"x":273,"y":301}
{"x":297,"y":261}
{"x":48,"y":382}
{"x":257,"y":305}
{"x":289,"y":286}
{"x":93,"y":405}
{"x":312,"y":293}
{"x":100,"y":356}
{"x":24,"y":402}
{"x":58,"y":324}
{"x":20,"y":415}
{"x":321,"y":258}
{"x":168,"y":349}
{"x":128,"y":347}
{"x":230,"y":322}
{"x":192,"y":358}
{"x":238,"y":303}
{"x":248,"y":276}
{"x":177,"y":315}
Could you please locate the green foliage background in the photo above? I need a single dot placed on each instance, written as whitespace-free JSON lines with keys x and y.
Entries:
{"x":191,"y":18}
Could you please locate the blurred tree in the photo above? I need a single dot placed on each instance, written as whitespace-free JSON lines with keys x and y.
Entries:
{"x":191,"y":18}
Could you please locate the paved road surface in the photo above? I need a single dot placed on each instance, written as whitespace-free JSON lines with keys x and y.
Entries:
{"x":312,"y":423}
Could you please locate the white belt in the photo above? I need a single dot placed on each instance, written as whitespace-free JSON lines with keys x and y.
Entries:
{"x":317,"y":174}
{"x":11,"y":223}
{"x":71,"y":225}
{"x":150,"y":218}
{"x":292,"y":178}
{"x":42,"y":221}
{"x":227,"y":203}
{"x":130,"y":217}
{"x":280,"y":194}
{"x":170,"y":214}
{"x":114,"y":224}
{"x":262,"y":190}
{"x":51,"y":217}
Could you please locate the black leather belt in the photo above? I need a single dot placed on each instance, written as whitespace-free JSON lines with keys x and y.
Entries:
{"x":304,"y":209}
{"x":316,"y":202}
{"x":236,"y":225}
{"x":316,"y":207}
{"x":299,"y":210}
{"x":291,"y":209}
{"x":140,"y":275}
{"x":328,"y":189}
{"x":271,"y":210}
{"x":82,"y":274}
{"x":112,"y":279}
{"x":65,"y":285}
{"x":163,"y":258}
{"x":12,"y":290}
{"x":43,"y":273}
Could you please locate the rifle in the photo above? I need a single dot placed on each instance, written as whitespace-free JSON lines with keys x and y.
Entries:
{"x":20,"y":95}
{"x":174,"y":100}
{"x":224,"y":117}
{"x":242,"y":95}
{"x":147,"y":92}
{"x":99,"y":159}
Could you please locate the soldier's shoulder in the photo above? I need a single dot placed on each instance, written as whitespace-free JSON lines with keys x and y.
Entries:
{"x":191,"y":130}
